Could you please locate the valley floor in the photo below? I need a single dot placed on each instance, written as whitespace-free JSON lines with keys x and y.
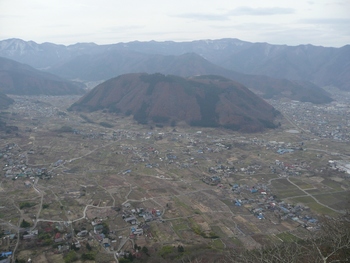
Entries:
{"x":99,"y":187}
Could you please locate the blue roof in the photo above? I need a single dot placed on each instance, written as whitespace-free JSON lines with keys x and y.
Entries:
{"x":282,"y":151}
{"x":284,"y":209}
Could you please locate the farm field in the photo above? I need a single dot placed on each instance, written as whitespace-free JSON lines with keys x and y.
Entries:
{"x":181,"y":187}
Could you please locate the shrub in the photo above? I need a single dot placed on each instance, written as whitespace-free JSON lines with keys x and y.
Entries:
{"x":166,"y":250}
{"x":106,"y":124}
{"x":70,"y":257}
{"x":25,"y":224}
{"x":88,"y":256}
{"x":65,"y":128}
{"x":25,"y":205}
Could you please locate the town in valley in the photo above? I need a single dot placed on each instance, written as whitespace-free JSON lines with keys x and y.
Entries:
{"x":101,"y":184}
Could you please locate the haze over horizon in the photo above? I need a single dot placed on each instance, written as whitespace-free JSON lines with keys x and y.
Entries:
{"x":321,"y":23}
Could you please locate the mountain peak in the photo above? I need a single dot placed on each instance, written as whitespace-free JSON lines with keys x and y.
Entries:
{"x":208,"y":101}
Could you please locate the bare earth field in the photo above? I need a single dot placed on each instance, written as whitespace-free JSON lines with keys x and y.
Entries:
{"x":154,"y":190}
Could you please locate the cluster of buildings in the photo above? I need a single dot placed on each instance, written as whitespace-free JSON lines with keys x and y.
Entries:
{"x":15,"y":164}
{"x":135,"y":215}
{"x":325,"y":121}
{"x":288,"y":169}
{"x":191,"y":149}
{"x":263,"y":204}
{"x":340,"y":165}
{"x":5,"y":257}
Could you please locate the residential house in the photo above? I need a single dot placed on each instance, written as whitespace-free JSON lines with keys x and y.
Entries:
{"x":98,"y":229}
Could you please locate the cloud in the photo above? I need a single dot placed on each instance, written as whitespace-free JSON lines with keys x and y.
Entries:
{"x":306,"y":35}
{"x":204,"y":17}
{"x":340,"y":3}
{"x":330,"y":21}
{"x":335,"y":28}
{"x":239,"y":11}
{"x":261,"y":11}
{"x":250,"y":26}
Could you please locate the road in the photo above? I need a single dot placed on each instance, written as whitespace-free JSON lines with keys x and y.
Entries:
{"x":294,"y":124}
{"x":18,"y":229}
{"x":306,"y":193}
{"x":328,"y":152}
{"x":41,"y":201}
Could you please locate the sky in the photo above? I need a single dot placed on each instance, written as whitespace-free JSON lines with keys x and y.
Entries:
{"x":316,"y":22}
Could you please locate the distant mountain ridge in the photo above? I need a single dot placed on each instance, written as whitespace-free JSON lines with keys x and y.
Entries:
{"x":41,"y":56}
{"x":21,"y":79}
{"x":110,"y":64}
{"x":208,"y":101}
{"x":324,"y":66}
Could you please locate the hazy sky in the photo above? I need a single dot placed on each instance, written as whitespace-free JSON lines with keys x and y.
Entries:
{"x":291,"y":22}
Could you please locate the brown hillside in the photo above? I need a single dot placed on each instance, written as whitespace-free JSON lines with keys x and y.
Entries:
{"x":208,"y":101}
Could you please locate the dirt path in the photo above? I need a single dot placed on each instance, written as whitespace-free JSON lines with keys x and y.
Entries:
{"x":306,"y":193}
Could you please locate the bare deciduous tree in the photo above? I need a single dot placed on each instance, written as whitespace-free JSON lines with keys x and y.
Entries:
{"x":330,"y":244}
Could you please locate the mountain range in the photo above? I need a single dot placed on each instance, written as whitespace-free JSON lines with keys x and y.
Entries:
{"x":107,"y":65}
{"x":21,"y":79}
{"x":208,"y":101}
{"x":322,"y":66}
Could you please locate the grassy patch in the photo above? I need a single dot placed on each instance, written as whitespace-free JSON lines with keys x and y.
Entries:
{"x":196,"y":228}
{"x":316,"y":207}
{"x":284,"y":189}
{"x":303,"y":185}
{"x":180,"y":227}
{"x":217,"y":244}
{"x":303,"y":199}
{"x":217,"y":230}
{"x":227,"y":202}
{"x":166,"y":250}
{"x":338,"y":200}
{"x":236,"y":241}
{"x":333,"y":184}
{"x":26,"y":205}
{"x":327,"y":199}
{"x":182,"y":205}
{"x":314,"y":191}
{"x":145,"y":170}
{"x":287,"y":237}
